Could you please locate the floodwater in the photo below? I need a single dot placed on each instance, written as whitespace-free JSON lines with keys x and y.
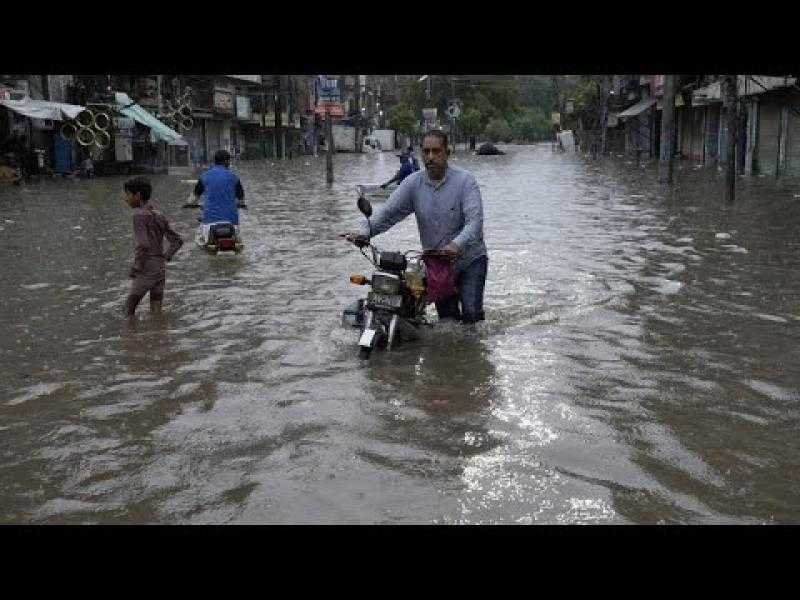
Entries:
{"x":639,"y":362}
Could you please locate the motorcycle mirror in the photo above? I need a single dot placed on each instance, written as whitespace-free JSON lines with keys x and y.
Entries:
{"x":364,"y":206}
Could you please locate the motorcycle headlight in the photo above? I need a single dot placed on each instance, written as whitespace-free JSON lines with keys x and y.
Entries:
{"x":386,"y":283}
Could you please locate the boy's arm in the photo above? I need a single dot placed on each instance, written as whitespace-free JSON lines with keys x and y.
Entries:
{"x":140,"y":243}
{"x":173,"y":238}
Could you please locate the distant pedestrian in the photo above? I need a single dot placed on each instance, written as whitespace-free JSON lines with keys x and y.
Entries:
{"x":87,"y":168}
{"x":150,"y":227}
{"x":413,"y":157}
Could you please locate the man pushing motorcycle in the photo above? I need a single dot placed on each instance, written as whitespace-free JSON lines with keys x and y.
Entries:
{"x":447,"y":203}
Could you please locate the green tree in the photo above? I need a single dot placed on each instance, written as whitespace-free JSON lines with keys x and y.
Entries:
{"x":401,"y":119}
{"x":498,"y":130}
{"x":471,"y":124}
{"x":530,"y":124}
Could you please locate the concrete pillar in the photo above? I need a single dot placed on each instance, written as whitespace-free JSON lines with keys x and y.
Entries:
{"x":782,"y":139}
{"x":752,"y":135}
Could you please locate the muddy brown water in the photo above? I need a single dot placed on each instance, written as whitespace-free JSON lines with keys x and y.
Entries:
{"x":639,"y":362}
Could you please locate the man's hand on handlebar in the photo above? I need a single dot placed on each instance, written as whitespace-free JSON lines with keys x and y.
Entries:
{"x":356,"y":238}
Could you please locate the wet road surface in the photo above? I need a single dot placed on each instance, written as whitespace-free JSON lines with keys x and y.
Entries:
{"x":639,"y":362}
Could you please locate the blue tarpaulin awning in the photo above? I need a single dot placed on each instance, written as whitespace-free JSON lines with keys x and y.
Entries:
{"x":130,"y":109}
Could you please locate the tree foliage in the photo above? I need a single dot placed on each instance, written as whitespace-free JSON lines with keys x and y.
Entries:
{"x":498,"y":130}
{"x":402,"y":119}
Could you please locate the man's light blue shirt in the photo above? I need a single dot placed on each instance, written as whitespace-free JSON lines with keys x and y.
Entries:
{"x":448,"y":210}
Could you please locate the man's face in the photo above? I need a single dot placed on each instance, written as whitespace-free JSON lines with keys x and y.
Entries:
{"x":435,"y":155}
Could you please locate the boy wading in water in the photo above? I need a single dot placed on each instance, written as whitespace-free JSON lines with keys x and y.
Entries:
{"x":150,"y":228}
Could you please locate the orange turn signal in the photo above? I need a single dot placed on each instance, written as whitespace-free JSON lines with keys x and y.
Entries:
{"x":358,"y":279}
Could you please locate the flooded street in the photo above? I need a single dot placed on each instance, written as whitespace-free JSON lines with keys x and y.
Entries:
{"x":639,"y":362}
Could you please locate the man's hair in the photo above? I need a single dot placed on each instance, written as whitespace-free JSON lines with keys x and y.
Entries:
{"x":139,"y":185}
{"x":222,"y":157}
{"x":439,"y":134}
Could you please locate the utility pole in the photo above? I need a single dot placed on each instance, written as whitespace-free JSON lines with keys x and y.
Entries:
{"x":357,"y":108}
{"x":605,"y":87}
{"x":277,"y":96}
{"x":729,"y":98}
{"x":331,"y":149}
{"x":666,"y":164}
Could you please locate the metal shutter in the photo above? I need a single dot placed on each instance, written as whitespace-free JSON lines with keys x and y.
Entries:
{"x":769,"y":124}
{"x":793,"y":139}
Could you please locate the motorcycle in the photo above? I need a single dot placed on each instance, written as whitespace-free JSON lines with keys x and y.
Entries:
{"x":220,"y":236}
{"x":394,"y":309}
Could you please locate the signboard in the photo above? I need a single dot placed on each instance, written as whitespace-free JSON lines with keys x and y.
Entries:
{"x":123,"y":123}
{"x":42,"y":124}
{"x":123,"y":148}
{"x":328,"y":89}
{"x":269,"y":120}
{"x":250,"y":78}
{"x":569,"y":107}
{"x":223,"y":101}
{"x":429,"y":114}
{"x":243,"y":107}
{"x":555,"y":118}
{"x":454,"y":108}
{"x":147,"y":91}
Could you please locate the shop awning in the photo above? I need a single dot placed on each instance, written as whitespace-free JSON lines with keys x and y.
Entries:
{"x":130,"y":109}
{"x":42,"y":109}
{"x":637,"y":108}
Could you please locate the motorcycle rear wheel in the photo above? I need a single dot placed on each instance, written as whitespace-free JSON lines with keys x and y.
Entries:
{"x":363,"y":353}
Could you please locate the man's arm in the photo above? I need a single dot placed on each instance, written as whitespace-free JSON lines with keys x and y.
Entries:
{"x":473,"y":216}
{"x":240,"y":195}
{"x":395,"y":209}
{"x":392,"y":180}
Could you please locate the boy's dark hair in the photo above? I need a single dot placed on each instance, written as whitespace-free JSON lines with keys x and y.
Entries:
{"x":139,"y":185}
{"x":439,"y":134}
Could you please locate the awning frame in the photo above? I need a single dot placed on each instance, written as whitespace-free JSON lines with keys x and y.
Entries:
{"x":638,"y":108}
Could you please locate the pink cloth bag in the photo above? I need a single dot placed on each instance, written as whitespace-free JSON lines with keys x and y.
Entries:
{"x":441,"y":278}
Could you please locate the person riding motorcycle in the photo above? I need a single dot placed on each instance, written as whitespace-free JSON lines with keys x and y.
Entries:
{"x":224,"y":191}
{"x":406,"y":169}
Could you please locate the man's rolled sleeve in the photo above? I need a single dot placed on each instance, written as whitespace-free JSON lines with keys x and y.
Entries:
{"x":473,"y":216}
